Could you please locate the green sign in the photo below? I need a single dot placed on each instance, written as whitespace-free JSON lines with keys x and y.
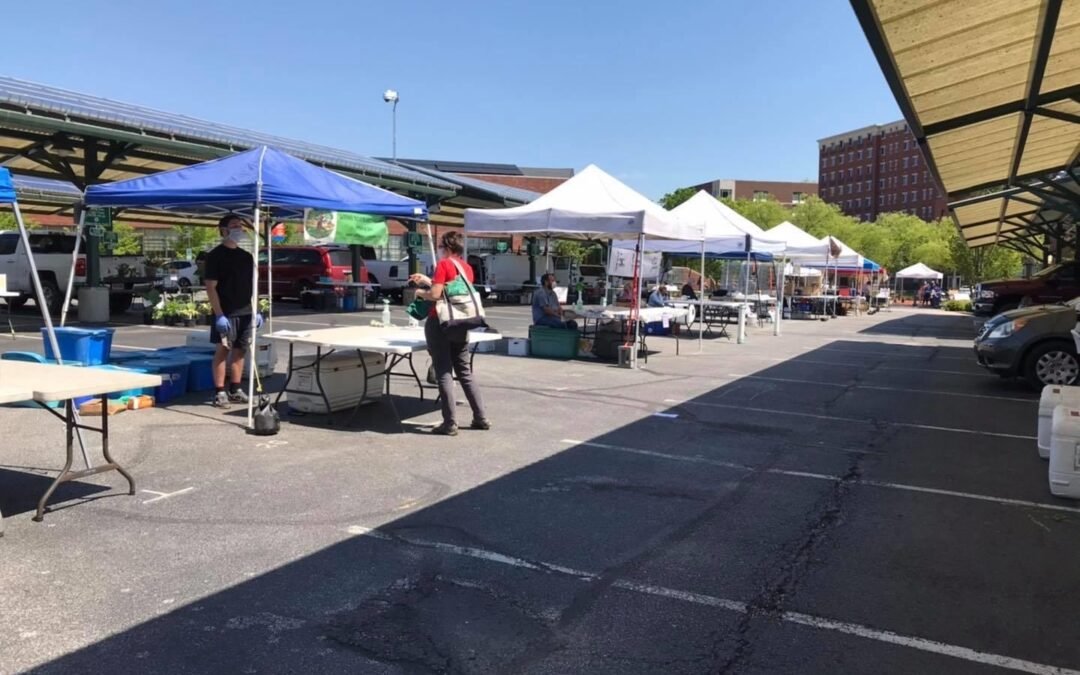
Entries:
{"x":340,"y":227}
{"x":99,"y":217}
{"x":414,"y":240}
{"x":502,"y":247}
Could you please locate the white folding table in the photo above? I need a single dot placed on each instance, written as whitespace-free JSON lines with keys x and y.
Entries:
{"x":43,"y":383}
{"x":397,"y":343}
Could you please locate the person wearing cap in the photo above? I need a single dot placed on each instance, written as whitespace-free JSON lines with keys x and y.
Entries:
{"x":228,"y":273}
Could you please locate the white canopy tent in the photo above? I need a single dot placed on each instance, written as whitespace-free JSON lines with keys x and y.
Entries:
{"x":591,"y":205}
{"x":919,"y":271}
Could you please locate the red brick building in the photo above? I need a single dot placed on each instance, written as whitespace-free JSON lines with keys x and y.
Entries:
{"x":878,"y":169}
{"x":787,"y":193}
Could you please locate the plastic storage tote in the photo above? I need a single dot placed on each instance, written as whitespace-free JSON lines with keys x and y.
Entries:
{"x":1053,"y":395}
{"x":173,"y":374}
{"x":553,"y":343}
{"x":1064,"y":473}
{"x":88,"y":346}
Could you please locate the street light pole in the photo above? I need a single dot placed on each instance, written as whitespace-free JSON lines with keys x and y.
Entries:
{"x":391,"y":96}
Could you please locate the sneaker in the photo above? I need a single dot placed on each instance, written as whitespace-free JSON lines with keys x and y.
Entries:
{"x":445,"y":430}
{"x":238,"y":396}
{"x":480,"y":425}
{"x":220,"y":400}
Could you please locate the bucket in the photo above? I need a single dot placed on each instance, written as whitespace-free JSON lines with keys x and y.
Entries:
{"x":1052,"y":396}
{"x":1064,"y":470}
{"x":173,"y":374}
{"x":200,"y":373}
{"x":88,"y":346}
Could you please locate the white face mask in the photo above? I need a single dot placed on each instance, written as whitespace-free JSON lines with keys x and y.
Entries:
{"x":239,"y":237}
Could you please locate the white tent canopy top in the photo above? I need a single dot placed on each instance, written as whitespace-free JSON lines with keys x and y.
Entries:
{"x":591,"y":205}
{"x":794,"y":236}
{"x":918,"y":271}
{"x":719,"y":219}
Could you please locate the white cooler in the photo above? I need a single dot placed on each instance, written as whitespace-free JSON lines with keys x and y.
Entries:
{"x":1053,"y":395}
{"x":342,"y":378}
{"x":1065,"y":452}
{"x":265,"y":350}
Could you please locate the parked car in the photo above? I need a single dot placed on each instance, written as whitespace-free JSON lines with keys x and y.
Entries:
{"x":392,"y":276}
{"x":1034,"y":343}
{"x":125,"y":275}
{"x":300,"y":268}
{"x":182,"y":274}
{"x":1056,"y":283}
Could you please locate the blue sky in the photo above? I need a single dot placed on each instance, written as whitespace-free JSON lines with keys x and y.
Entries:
{"x":659,"y":94}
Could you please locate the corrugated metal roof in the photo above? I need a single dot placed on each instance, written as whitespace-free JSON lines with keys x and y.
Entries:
{"x":39,"y":99}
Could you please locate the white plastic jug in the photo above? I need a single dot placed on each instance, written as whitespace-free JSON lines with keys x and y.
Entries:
{"x":386,"y":313}
{"x":1052,"y":396}
{"x":1064,"y":471}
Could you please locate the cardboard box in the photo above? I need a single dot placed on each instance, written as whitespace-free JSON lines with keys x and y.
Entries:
{"x":139,"y":402}
{"x":92,"y":408}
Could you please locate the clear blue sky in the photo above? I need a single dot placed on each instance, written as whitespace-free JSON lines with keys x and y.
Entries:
{"x":659,"y":94}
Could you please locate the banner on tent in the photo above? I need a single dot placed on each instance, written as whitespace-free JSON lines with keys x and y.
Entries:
{"x":340,"y":227}
{"x":621,"y":264}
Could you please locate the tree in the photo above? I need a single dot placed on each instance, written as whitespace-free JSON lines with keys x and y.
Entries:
{"x":985,"y":262}
{"x":128,"y":242}
{"x":676,"y":197}
{"x":7,"y":222}
{"x":197,"y":238}
{"x":818,"y":217}
{"x":764,"y":213}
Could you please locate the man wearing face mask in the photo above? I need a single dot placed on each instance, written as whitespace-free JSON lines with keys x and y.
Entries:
{"x":228,"y":275}
{"x":546,"y":310}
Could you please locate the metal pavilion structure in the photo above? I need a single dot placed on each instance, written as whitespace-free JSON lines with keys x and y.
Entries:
{"x":67,"y":141}
{"x":991,"y":92}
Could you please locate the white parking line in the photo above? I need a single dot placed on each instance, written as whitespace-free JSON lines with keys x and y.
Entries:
{"x":697,"y":459}
{"x":859,"y":385}
{"x":821,"y":623}
{"x":836,"y":418}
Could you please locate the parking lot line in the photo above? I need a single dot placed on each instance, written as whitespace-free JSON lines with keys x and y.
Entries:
{"x":837,"y":418}
{"x":697,"y":459}
{"x":859,"y":385}
{"x":727,"y":604}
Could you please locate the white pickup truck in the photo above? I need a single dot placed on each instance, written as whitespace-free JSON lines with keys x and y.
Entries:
{"x":392,"y":275}
{"x":52,"y":254}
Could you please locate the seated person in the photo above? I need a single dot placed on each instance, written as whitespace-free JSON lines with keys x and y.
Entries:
{"x":546,"y":309}
{"x":658,"y":298}
{"x":688,"y":291}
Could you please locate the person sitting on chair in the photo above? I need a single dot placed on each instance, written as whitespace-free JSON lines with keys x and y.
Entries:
{"x":546,"y":309}
{"x":658,"y":298}
{"x":688,"y":291}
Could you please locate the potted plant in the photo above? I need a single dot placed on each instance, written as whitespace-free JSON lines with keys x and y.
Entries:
{"x":264,"y":307}
{"x":170,"y":312}
{"x":205,"y":313}
{"x":187,"y":313}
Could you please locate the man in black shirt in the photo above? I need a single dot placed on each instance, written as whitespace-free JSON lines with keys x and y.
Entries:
{"x":228,"y":274}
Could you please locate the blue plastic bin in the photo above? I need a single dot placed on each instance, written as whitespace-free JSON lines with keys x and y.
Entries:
{"x":657,"y":328}
{"x":173,"y":374}
{"x":200,"y":374}
{"x":120,"y":358}
{"x":88,"y":346}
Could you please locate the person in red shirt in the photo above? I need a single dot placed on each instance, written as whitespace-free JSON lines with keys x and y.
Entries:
{"x":450,"y":358}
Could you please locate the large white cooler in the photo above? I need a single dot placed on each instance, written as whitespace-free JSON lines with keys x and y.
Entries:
{"x":1065,"y":452}
{"x":265,"y":350}
{"x":1053,"y":395}
{"x":342,"y":377}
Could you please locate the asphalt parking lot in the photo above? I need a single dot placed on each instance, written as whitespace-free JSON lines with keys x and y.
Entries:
{"x":853,"y":496}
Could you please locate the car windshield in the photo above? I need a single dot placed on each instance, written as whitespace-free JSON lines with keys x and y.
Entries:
{"x":341,"y":258}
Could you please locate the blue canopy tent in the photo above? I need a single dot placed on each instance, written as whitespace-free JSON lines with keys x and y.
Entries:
{"x":249,"y":183}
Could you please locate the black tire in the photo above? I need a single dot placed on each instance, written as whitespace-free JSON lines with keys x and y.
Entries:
{"x":17,"y":303}
{"x":1053,"y":362}
{"x":302,"y":287}
{"x":54,"y":299}
{"x":184,"y":283}
{"x":120,"y":303}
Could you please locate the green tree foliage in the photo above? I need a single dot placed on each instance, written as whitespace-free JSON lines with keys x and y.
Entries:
{"x":7,"y":222}
{"x":764,"y":213}
{"x":195,"y":237}
{"x":128,"y":241}
{"x":676,"y":197}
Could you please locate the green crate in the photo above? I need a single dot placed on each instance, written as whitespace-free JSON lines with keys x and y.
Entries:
{"x":553,"y":343}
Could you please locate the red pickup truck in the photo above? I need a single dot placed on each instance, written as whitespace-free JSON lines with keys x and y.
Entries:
{"x":1056,"y":283}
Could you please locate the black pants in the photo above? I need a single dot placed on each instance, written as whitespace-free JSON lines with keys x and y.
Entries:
{"x":449,"y":359}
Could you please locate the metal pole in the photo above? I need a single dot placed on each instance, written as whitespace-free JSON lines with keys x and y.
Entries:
{"x":252,"y":364}
{"x":394,"y":126}
{"x":701,"y":298}
{"x":635,"y":307}
{"x":74,"y":262}
{"x":50,"y":331}
{"x":780,"y":280}
{"x":269,"y":271}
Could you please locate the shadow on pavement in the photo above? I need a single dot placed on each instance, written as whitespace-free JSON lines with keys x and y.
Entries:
{"x":527,"y":573}
{"x":931,"y":324}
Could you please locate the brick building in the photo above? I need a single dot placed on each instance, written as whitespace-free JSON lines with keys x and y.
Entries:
{"x":787,"y":193}
{"x":878,"y":169}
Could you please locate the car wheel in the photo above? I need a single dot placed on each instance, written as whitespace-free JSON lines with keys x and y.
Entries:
{"x":54,"y":300}
{"x":184,"y":283}
{"x":303,"y":287}
{"x":1051,"y":363}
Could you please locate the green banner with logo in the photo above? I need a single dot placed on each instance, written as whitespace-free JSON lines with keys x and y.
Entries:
{"x":340,"y":227}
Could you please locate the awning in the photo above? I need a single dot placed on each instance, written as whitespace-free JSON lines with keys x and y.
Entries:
{"x":7,"y":188}
{"x":918,"y":271}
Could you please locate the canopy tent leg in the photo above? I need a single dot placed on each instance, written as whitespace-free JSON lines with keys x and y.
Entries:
{"x":741,"y":338}
{"x":701,"y":299}
{"x":635,"y":308}
{"x":252,"y":364}
{"x":780,"y":281}
{"x":269,"y":273}
{"x":74,"y":262}
{"x":50,"y":330}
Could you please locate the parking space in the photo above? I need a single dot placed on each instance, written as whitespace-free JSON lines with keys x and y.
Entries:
{"x":853,"y":494}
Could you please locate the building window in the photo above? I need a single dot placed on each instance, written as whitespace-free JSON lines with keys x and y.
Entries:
{"x":841,"y":159}
{"x":858,"y":154}
{"x":798,"y":197}
{"x":914,"y":179}
{"x":881,"y":167}
{"x":868,"y":186}
{"x":903,"y":180}
{"x":915,"y":161}
{"x":849,"y":188}
{"x":851,"y":156}
{"x":903,"y":198}
{"x":761,"y":196}
{"x":725,"y":194}
{"x":881,"y":200}
{"x":824,"y":162}
{"x":870,"y":152}
{"x":905,"y":162}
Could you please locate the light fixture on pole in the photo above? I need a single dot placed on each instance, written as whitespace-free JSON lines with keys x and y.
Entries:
{"x":391,"y":96}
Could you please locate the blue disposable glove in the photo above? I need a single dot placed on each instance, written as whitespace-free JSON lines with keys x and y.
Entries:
{"x":223,"y":325}
{"x":258,"y":319}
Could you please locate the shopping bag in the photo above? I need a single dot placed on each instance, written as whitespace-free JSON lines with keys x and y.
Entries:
{"x":458,"y":312}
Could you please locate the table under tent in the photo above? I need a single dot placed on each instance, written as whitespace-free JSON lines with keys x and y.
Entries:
{"x":259,"y":182}
{"x":591,"y":205}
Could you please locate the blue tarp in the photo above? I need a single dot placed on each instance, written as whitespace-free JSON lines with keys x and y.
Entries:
{"x":7,"y":189}
{"x":871,"y":266}
{"x":264,"y":176}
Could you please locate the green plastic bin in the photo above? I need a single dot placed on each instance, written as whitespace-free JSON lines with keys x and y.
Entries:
{"x":553,"y":343}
